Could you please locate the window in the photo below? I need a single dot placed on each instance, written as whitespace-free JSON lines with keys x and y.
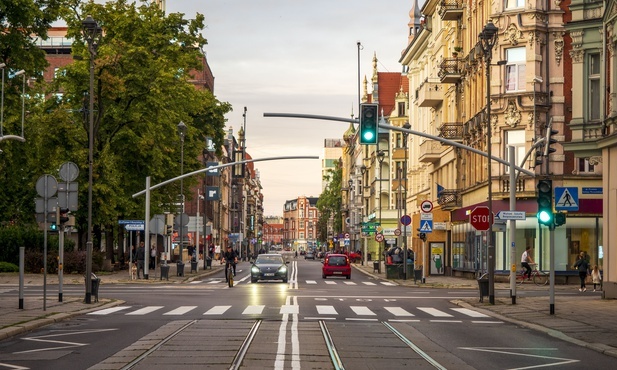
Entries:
{"x":515,"y":69}
{"x":401,"y":109}
{"x":515,"y":138}
{"x":594,"y":87}
{"x":513,"y":4}
{"x":584,"y":166}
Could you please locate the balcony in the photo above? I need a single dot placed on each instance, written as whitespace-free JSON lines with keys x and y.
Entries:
{"x":429,"y":94}
{"x":451,"y":10}
{"x":430,"y":151}
{"x":450,"y":70}
{"x":449,"y":199}
{"x":451,"y":131}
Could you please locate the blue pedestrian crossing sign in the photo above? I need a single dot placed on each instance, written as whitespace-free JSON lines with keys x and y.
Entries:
{"x":566,"y":198}
{"x":426,"y":226}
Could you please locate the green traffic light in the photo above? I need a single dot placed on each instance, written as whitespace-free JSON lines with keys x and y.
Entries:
{"x":368,"y":136}
{"x":53,"y":226}
{"x":545,"y":217}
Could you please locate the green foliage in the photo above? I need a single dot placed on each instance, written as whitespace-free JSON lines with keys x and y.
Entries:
{"x":144,"y":68}
{"x":329,"y":204}
{"x":8,"y":267}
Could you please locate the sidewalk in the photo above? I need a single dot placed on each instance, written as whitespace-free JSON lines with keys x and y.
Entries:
{"x":584,"y":319}
{"x":14,"y":321}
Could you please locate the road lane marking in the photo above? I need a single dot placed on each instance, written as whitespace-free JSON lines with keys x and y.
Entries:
{"x":468,"y":312}
{"x":398,"y":311}
{"x":326,"y":310}
{"x":362,"y":310}
{"x":459,"y":321}
{"x":279,"y":361}
{"x":217,"y":310}
{"x":180,"y":310}
{"x":311,"y":282}
{"x":331,"y":282}
{"x":350,"y":283}
{"x":388,"y":283}
{"x":319,"y":318}
{"x":486,"y":322}
{"x":145,"y":310}
{"x":253,"y":310}
{"x":404,"y":320}
{"x":368,"y":283}
{"x":434,"y":312}
{"x":359,"y":319}
{"x":107,"y":311}
{"x":289,"y":309}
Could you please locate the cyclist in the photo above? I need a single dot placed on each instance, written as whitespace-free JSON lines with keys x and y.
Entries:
{"x":230,"y":257}
{"x":525,"y":261}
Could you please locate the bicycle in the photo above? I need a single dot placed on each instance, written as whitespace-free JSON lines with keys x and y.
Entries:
{"x":230,"y":275}
{"x":540,"y":278}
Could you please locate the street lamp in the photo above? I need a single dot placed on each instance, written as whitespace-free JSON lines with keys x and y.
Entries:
{"x":92,"y":33}
{"x":488,"y":38}
{"x":350,"y":207}
{"x":364,"y":170}
{"x":406,"y":126}
{"x":380,"y":157}
{"x":2,"y":65}
{"x":182,"y":132}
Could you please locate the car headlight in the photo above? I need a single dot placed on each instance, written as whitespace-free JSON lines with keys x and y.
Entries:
{"x":283,"y":269}
{"x":255,"y":269}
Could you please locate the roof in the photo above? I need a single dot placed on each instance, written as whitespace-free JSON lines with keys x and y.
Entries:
{"x":390,"y":84}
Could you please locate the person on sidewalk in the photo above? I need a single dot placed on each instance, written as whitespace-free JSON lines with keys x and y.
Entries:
{"x":152,"y":261}
{"x":582,"y":266}
{"x":526,"y":259}
{"x":596,"y":278}
{"x":141,"y":257}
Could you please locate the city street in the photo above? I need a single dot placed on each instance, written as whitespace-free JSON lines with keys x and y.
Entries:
{"x":310,"y":322}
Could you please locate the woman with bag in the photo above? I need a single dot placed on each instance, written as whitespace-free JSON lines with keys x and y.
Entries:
{"x":582,"y":266}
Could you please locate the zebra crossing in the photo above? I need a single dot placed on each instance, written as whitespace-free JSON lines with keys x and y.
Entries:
{"x":311,"y":312}
{"x":221,"y":281}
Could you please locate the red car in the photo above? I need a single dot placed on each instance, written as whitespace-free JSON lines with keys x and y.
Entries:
{"x":336,"y":265}
{"x":355,"y":256}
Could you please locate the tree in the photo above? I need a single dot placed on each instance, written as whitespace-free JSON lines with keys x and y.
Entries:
{"x":330,"y":203}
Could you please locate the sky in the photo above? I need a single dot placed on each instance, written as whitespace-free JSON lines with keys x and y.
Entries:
{"x":295,"y":56}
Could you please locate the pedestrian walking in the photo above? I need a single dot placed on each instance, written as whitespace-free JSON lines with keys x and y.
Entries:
{"x":596,"y":278}
{"x":582,"y":266}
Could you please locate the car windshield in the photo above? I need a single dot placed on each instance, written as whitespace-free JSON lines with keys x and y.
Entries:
{"x":337,"y":261}
{"x":268,"y":260}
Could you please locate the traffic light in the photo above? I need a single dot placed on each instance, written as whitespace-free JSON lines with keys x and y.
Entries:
{"x":560,"y":218}
{"x":170,"y":229}
{"x":53,"y":226}
{"x":63,"y":216}
{"x":539,"y":159}
{"x":545,"y":202}
{"x":548,"y":149}
{"x":368,"y":124}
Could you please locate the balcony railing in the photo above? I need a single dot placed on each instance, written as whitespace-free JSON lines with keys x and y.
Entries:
{"x":450,"y":70}
{"x":451,"y":131}
{"x":451,"y":10}
{"x":449,"y":199}
{"x":430,"y":151}
{"x":429,"y":94}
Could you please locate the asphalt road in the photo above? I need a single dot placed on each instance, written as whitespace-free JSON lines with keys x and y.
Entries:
{"x":310,"y":322}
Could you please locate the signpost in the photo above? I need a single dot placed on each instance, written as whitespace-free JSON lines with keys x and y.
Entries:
{"x":479,"y":218}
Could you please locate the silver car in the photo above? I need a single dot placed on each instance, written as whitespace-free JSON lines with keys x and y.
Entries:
{"x":269,"y":267}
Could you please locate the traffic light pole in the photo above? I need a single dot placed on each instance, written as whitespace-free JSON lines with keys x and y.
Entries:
{"x":551,"y":291}
{"x":511,"y":157}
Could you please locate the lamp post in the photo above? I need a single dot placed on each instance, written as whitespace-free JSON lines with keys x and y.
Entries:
{"x":182,"y":132}
{"x":350,"y":207}
{"x":2,"y":65}
{"x":364,"y":170}
{"x":488,"y":38}
{"x":406,"y":126}
{"x":380,"y":157}
{"x":92,"y":33}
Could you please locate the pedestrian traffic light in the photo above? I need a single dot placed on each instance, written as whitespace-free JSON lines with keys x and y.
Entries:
{"x":545,"y":202}
{"x":53,"y":226}
{"x":539,"y":159}
{"x":422,"y":236}
{"x":560,"y":218}
{"x":368,"y":124}
{"x":63,"y":216}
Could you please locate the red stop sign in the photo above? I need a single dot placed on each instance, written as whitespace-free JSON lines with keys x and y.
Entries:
{"x":479,"y":218}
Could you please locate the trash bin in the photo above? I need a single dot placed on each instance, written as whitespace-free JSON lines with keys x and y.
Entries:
{"x":392,"y":271}
{"x":483,"y":287}
{"x":368,"y":257}
{"x":375,"y":266}
{"x":165,"y":272}
{"x":180,"y":268}
{"x":95,"y":281}
{"x":208,"y":262}
{"x":417,"y":274}
{"x":193,"y":266}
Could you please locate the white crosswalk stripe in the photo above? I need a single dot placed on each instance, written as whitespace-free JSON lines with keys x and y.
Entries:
{"x":180,"y":310}
{"x":397,"y":313}
{"x":253,"y":310}
{"x":368,"y":283}
{"x":434,"y":312}
{"x":387,"y":283}
{"x":311,"y":282}
{"x":217,"y":310}
{"x":331,"y":282}
{"x":326,"y":310}
{"x":350,"y":283}
{"x":145,"y":310}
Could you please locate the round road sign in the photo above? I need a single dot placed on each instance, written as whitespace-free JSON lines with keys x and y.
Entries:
{"x":379,"y":237}
{"x":397,"y":232}
{"x":426,"y":206}
{"x":406,"y":220}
